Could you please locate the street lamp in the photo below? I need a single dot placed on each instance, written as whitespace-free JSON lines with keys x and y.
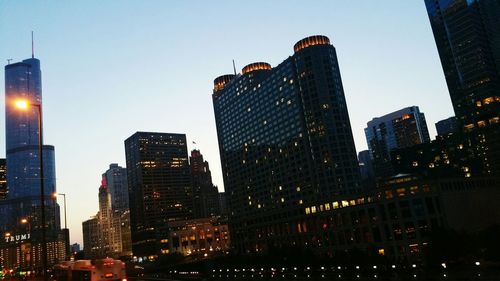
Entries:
{"x":25,"y":105}
{"x":65,"y":230}
{"x":28,"y":253}
{"x":55,"y":194}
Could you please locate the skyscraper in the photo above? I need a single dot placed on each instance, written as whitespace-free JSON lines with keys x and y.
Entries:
{"x":205,"y":194}
{"x":23,"y":80}
{"x":159,"y":188}
{"x":467,"y":35}
{"x":285,"y":140}
{"x":400,"y":129}
{"x":115,"y":179}
{"x":3,"y":179}
{"x":447,"y":126}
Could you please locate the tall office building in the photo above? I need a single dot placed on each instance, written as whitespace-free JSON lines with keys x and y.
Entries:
{"x":400,"y":129}
{"x":285,"y":140}
{"x":23,"y":80}
{"x":3,"y":179}
{"x":159,"y":184}
{"x":111,"y":226}
{"x":115,"y":179}
{"x":447,"y":126}
{"x":205,"y":194}
{"x":467,"y":35}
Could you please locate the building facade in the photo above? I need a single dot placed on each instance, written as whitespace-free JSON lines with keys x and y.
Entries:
{"x":159,"y":183}
{"x":285,"y":141}
{"x":22,"y":203}
{"x":403,"y":128}
{"x":447,"y":126}
{"x":111,"y":224}
{"x":204,"y":237}
{"x":3,"y":179}
{"x":468,"y":41}
{"x":205,"y":194}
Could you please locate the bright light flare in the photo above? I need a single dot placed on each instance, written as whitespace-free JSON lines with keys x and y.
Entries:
{"x":22,"y":104}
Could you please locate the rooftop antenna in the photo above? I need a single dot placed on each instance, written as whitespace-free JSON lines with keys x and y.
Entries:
{"x":234,"y":68}
{"x":8,"y":61}
{"x":32,"y":46}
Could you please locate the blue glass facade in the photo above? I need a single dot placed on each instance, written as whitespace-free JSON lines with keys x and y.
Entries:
{"x":23,"y":81}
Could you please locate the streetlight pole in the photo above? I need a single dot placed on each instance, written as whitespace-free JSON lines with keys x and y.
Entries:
{"x":23,"y":104}
{"x":42,"y":191}
{"x":65,"y":230}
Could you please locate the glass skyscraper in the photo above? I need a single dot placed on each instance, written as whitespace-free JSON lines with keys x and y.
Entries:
{"x":23,"y":80}
{"x":285,"y":142}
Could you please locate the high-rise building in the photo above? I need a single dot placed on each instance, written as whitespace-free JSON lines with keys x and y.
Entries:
{"x":285,"y":140}
{"x":3,"y":179}
{"x":400,"y":129}
{"x":447,"y":126}
{"x":115,"y":179}
{"x":23,"y":80}
{"x":467,"y":36}
{"x":205,"y":194}
{"x":159,"y":184}
{"x":112,"y":225}
{"x":365,"y":165}
{"x":91,"y":238}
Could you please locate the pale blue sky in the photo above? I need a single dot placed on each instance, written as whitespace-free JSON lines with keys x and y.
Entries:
{"x":111,"y":68}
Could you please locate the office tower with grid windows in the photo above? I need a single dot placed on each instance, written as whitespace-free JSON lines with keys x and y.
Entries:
{"x":399,"y":129}
{"x":285,"y":142}
{"x":467,"y":35}
{"x":159,"y":182}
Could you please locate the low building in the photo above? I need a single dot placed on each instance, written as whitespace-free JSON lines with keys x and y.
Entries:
{"x":206,"y":236}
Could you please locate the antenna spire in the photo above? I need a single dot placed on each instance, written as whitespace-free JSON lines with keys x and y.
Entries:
{"x":32,"y":46}
{"x":234,"y":68}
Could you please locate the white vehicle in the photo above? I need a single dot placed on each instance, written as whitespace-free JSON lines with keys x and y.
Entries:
{"x":90,"y":270}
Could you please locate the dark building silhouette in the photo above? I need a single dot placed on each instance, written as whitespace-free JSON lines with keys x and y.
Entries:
{"x":366,"y":169}
{"x":467,"y":35}
{"x":285,"y":141}
{"x":159,"y":184}
{"x":447,"y":126}
{"x":400,"y":129}
{"x":205,"y":194}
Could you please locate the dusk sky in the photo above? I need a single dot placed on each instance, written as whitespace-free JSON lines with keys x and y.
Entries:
{"x":111,"y":68}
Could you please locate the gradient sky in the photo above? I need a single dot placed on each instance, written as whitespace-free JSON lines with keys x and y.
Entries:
{"x":111,"y":68}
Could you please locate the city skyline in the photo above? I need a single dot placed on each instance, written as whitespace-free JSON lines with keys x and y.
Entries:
{"x":100,"y":86}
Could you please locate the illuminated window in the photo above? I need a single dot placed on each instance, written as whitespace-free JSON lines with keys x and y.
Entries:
{"x":345,"y":203}
{"x":413,"y":189}
{"x":335,"y":205}
{"x":327,"y":206}
{"x":388,"y":194}
{"x":401,"y":192}
{"x":313,"y":209}
{"x":308,"y":211}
